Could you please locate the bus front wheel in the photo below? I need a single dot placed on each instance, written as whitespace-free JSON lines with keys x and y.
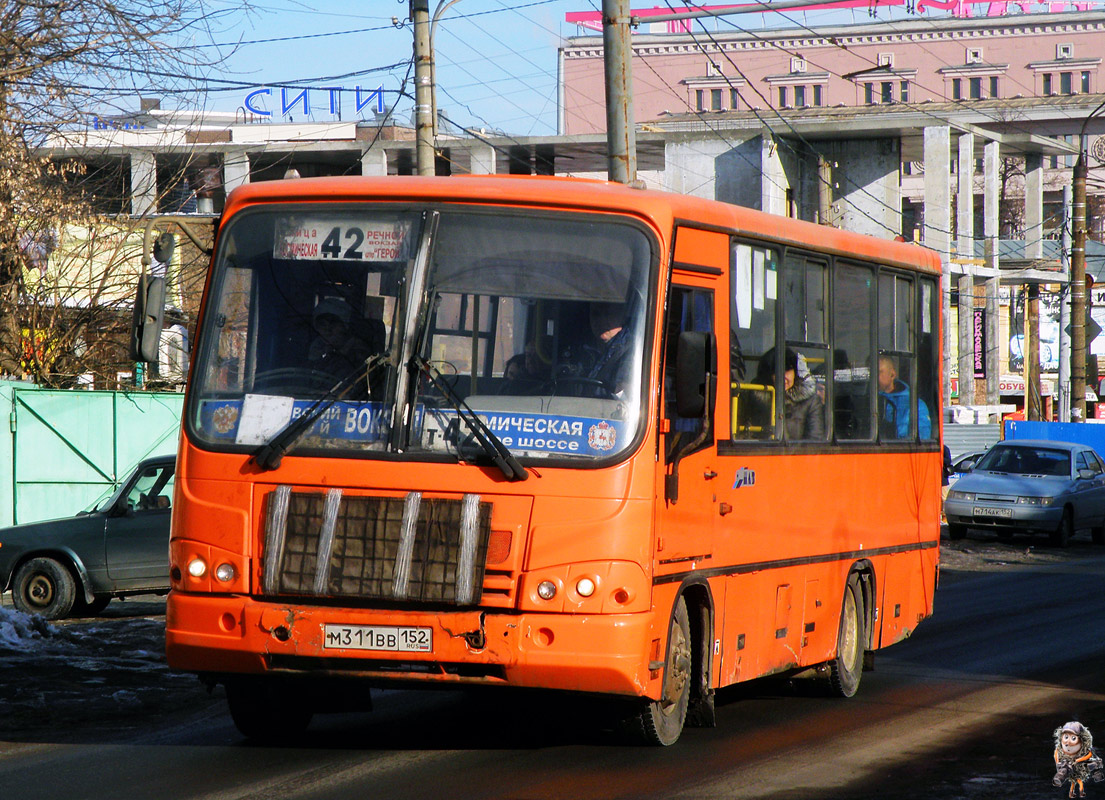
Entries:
{"x":263,"y":710}
{"x":846,"y":669}
{"x":660,"y":722}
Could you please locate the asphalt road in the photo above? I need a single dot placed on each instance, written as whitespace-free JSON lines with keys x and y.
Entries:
{"x":964,"y":709}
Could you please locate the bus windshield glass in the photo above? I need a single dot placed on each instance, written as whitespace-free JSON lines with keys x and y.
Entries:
{"x":389,"y":325}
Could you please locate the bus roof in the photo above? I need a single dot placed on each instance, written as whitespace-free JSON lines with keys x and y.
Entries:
{"x":663,"y":208}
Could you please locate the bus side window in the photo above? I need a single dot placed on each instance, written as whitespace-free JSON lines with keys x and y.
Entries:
{"x":853,"y":304}
{"x":690,"y":310}
{"x":755,"y":407}
{"x":807,"y":351}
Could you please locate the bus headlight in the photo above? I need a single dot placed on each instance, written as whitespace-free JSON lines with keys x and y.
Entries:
{"x":197,"y":568}
{"x":546,"y":590}
{"x":585,"y":587}
{"x":225,"y":572}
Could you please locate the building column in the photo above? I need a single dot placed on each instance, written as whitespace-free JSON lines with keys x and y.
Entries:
{"x":991,"y":194}
{"x":374,"y":162}
{"x":965,"y":248}
{"x":235,"y":169}
{"x":938,"y":223}
{"x":481,"y":160}
{"x":773,"y":184}
{"x":143,"y":183}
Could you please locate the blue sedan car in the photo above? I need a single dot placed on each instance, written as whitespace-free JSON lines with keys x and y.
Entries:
{"x":1024,"y":486}
{"x":75,"y":565}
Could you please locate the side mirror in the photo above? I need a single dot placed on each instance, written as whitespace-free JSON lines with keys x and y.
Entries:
{"x":163,"y":248}
{"x":695,"y":361}
{"x":149,"y":317}
{"x":966,"y":466}
{"x":1086,"y":474}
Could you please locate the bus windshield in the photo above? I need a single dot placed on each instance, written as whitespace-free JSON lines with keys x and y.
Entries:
{"x":387,"y":323}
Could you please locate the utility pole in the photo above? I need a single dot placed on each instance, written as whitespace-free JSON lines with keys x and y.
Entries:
{"x":1078,"y":286}
{"x":423,"y":88}
{"x":621,"y":132}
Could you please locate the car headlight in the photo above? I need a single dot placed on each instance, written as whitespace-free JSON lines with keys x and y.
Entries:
{"x":1035,"y":501}
{"x":954,"y":495}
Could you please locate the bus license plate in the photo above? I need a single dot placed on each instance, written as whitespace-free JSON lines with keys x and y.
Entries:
{"x":378,"y":637}
{"x":987,"y":511}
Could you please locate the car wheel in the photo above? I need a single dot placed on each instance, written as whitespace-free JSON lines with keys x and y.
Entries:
{"x":846,"y":669}
{"x":1061,"y":536}
{"x":956,"y":532}
{"x":261,"y":710}
{"x":45,"y":587}
{"x":660,"y":722}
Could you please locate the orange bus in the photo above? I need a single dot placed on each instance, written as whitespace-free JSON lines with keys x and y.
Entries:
{"x":553,"y":433}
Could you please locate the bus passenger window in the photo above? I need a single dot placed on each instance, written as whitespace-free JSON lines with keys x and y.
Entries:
{"x":901,"y":412}
{"x":753,"y":397}
{"x":804,"y":377}
{"x":928,"y":375}
{"x":853,"y":304}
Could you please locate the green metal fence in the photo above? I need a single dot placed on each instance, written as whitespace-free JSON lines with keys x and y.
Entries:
{"x":65,"y":449}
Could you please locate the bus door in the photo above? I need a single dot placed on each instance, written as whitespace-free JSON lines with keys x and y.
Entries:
{"x":688,"y":457}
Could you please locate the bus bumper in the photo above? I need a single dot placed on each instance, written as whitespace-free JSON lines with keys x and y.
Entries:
{"x":606,"y":653}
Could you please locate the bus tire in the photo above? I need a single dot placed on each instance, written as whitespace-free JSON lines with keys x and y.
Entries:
{"x":660,"y":722}
{"x":263,"y":712}
{"x":846,"y":669}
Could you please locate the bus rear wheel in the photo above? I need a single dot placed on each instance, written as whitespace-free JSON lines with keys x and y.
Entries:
{"x":265,"y":711}
{"x":847,"y":668}
{"x":660,"y":722}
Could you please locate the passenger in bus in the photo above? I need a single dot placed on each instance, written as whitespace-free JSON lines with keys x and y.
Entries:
{"x":894,"y":404}
{"x":336,"y":349}
{"x":524,"y":373}
{"x":803,"y":408}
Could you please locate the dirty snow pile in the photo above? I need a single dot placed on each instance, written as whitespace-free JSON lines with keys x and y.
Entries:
{"x":18,"y":629}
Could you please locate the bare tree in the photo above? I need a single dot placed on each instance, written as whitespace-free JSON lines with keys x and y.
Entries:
{"x":59,"y":59}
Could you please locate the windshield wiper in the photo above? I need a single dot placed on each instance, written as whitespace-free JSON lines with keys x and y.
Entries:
{"x":491,"y":444}
{"x":269,"y":455}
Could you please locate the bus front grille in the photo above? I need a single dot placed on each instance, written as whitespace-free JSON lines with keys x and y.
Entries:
{"x":412,"y":548}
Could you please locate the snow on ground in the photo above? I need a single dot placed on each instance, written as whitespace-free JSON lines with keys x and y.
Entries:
{"x":19,"y":631}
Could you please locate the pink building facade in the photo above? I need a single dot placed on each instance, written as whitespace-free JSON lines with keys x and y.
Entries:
{"x":909,"y":63}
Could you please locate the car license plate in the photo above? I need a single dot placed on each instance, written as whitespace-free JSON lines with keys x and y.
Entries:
{"x":378,"y":637}
{"x":987,"y":511}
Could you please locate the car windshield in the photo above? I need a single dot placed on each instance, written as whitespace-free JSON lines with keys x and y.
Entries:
{"x":1026,"y":461}
{"x":536,"y":321}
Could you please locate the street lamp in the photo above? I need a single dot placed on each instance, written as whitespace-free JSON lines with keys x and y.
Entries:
{"x":1078,"y":275}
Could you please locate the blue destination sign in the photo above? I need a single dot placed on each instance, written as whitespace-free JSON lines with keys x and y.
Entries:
{"x":438,"y":429}
{"x":290,"y":98}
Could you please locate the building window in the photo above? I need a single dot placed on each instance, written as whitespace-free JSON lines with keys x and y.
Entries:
{"x":1063,"y":51}
{"x":698,"y":100}
{"x":993,"y":85}
{"x":800,"y":96}
{"x":783,"y":97}
{"x":1085,"y":83}
{"x":1047,"y":83}
{"x":1065,"y":84}
{"x":976,"y":88}
{"x":734,"y":97}
{"x":957,"y":89}
{"x":869,"y":93}
{"x":715,"y":99}
{"x":904,"y":89}
{"x":818,"y":99}
{"x":887,"y":94}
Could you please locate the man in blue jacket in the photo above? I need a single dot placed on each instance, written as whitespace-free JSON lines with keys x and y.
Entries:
{"x":894,"y":410}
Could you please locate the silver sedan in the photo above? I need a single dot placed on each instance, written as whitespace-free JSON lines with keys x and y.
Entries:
{"x":1031,"y":485}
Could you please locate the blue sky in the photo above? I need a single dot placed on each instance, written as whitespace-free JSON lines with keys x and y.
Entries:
{"x":496,"y":59}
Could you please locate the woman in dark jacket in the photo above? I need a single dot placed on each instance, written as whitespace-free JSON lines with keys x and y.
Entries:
{"x":803,"y":410}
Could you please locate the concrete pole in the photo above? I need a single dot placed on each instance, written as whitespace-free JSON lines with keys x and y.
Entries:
{"x":423,"y":88}
{"x":143,"y":183}
{"x":824,"y":191}
{"x":1033,"y":249}
{"x":938,"y":221}
{"x":1064,"y":312}
{"x":621,"y":135}
{"x":965,"y":247}
{"x":1078,"y":287}
{"x":991,"y":170}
